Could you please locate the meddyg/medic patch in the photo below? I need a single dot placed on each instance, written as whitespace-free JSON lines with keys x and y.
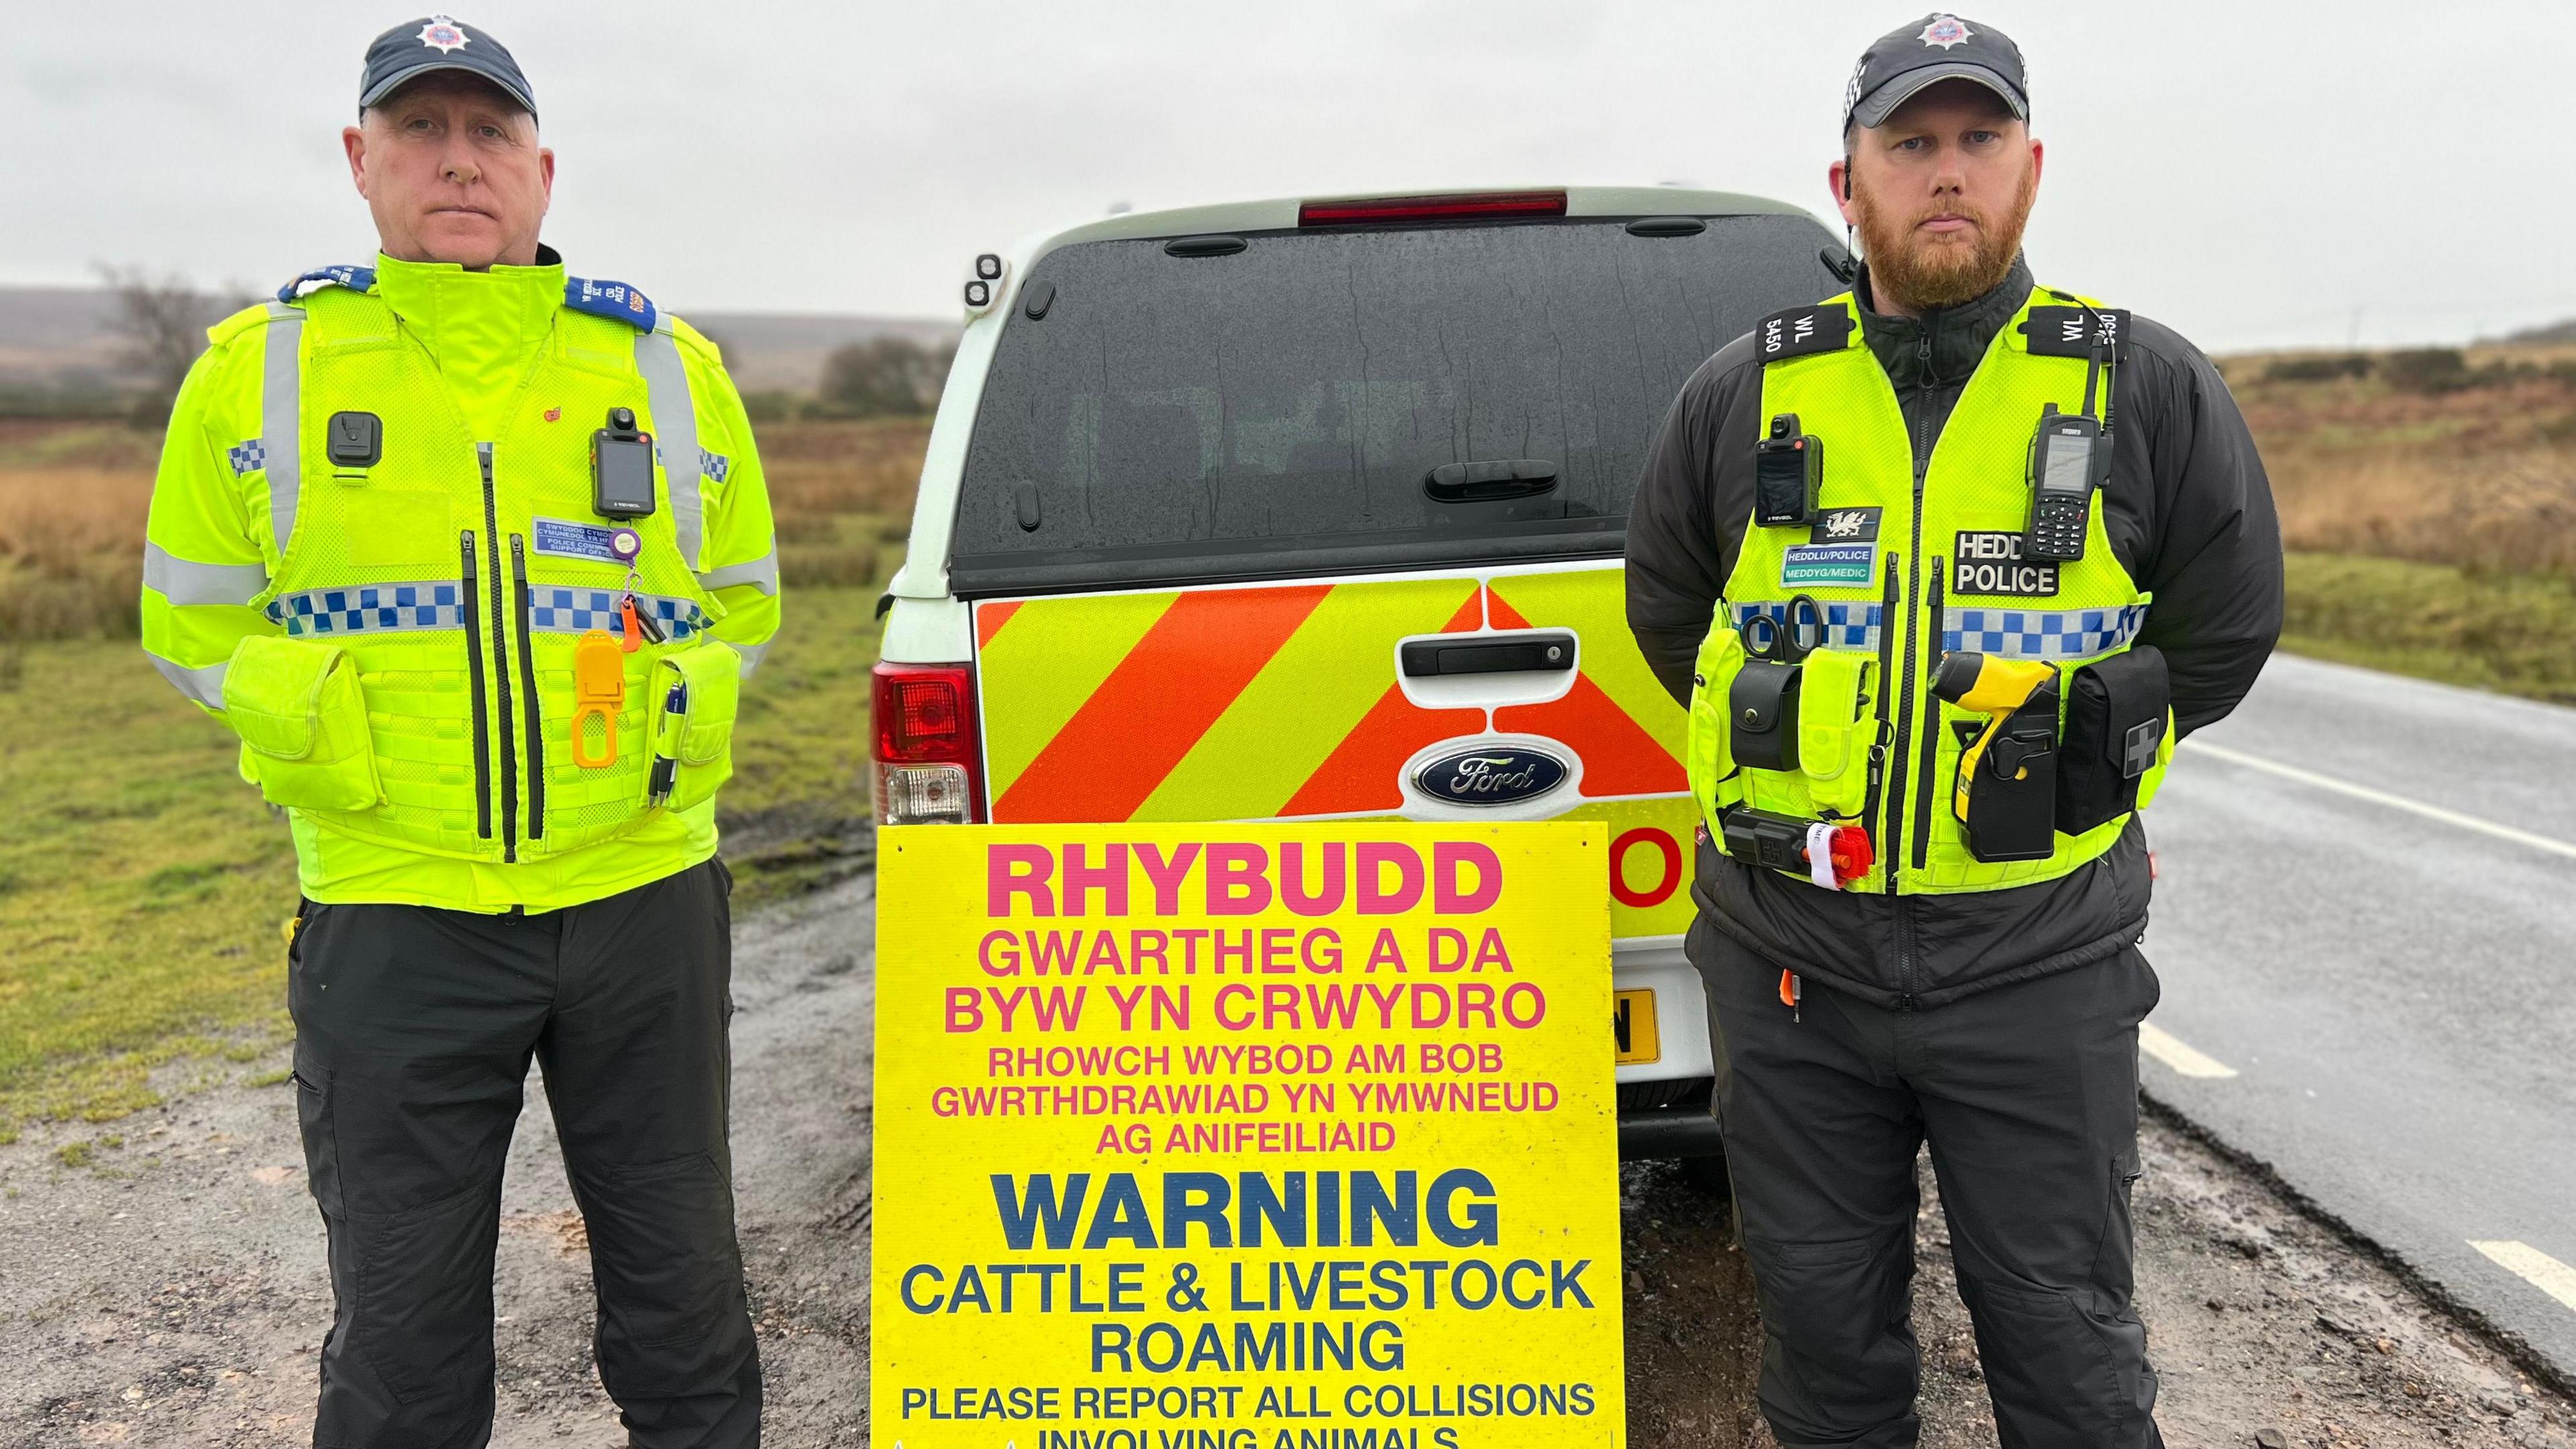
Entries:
{"x":1827,"y":563}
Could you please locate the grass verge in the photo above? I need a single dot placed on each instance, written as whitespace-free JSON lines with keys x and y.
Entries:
{"x":2507,"y":632}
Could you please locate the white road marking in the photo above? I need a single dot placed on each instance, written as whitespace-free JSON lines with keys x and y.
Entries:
{"x":2535,"y":1267}
{"x":2382,"y":797}
{"x":2165,"y":1047}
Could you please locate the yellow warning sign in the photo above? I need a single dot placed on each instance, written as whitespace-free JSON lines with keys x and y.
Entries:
{"x":1245,"y":1137}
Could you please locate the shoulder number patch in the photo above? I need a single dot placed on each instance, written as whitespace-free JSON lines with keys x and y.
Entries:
{"x":1800,"y":331}
{"x":1991,"y":563}
{"x":2068,"y":331}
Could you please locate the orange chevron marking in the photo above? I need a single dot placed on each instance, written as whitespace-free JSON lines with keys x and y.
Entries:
{"x":1154,"y":706}
{"x":989,"y":619}
{"x":1619,"y":757}
{"x":1361,"y":772}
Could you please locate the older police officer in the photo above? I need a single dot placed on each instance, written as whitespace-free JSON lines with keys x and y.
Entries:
{"x":473,"y":557}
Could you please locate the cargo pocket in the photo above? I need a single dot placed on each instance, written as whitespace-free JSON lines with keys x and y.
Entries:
{"x":321,"y":1149}
{"x":2118,"y":724}
{"x":303,"y":723}
{"x":696,"y":693}
{"x":1836,"y":729}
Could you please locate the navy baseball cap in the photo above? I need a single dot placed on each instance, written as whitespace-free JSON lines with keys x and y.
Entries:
{"x":438,"y":42}
{"x":1938,"y":47}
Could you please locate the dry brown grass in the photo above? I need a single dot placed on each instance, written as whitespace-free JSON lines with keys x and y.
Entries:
{"x":73,"y":499}
{"x":2482,"y":479}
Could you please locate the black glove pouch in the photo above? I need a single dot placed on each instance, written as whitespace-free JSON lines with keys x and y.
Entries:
{"x":2115,"y":720}
{"x":1762,"y":715}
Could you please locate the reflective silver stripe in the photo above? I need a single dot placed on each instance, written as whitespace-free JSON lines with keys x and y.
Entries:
{"x":281,"y":417}
{"x":205,"y":686}
{"x":185,"y":581}
{"x":761,"y":573}
{"x":750,"y":654}
{"x":675,"y":434}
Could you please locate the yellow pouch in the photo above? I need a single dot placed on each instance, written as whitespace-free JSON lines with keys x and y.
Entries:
{"x":1836,"y":727}
{"x":1709,"y":752}
{"x":302,"y":720}
{"x":693,"y":742}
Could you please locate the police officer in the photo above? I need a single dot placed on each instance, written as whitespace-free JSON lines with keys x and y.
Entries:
{"x":473,"y":556}
{"x":1904,"y":974}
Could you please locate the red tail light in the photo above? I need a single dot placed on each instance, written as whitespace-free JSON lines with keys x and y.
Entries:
{"x":927,"y":770}
{"x":1402,"y":210}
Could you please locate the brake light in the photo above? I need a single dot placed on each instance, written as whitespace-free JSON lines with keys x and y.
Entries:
{"x":1399,"y":210}
{"x":926,"y":766}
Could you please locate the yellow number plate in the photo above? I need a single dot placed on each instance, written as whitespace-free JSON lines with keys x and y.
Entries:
{"x":1632,"y":1027}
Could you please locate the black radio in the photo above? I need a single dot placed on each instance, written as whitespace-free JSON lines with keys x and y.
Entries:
{"x":2068,"y":458}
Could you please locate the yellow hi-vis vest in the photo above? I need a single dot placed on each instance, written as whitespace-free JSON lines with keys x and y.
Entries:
{"x":1906,"y":572}
{"x":403,"y":676}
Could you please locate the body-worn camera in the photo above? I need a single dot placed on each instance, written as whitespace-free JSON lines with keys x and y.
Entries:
{"x":1788,"y":474}
{"x":621,"y":468}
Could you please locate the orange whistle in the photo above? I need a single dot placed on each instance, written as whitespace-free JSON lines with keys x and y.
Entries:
{"x":634,"y":629}
{"x":598,"y":692}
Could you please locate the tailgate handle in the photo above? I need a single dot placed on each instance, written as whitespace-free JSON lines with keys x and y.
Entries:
{"x":1502,"y":655}
{"x":1483,"y":482}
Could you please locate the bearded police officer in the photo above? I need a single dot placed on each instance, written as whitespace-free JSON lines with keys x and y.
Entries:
{"x":473,"y":557}
{"x":1945,"y":565}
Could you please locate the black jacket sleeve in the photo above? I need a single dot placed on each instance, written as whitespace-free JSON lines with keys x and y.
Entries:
{"x":2212,"y":556}
{"x":1679,"y":551}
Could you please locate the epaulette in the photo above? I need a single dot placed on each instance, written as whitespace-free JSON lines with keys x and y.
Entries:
{"x":2065,"y":331}
{"x":614,"y":300}
{"x":356,"y":279}
{"x":1803,"y":331}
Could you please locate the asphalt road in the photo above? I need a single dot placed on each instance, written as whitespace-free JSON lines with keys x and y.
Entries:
{"x":2393,"y":988}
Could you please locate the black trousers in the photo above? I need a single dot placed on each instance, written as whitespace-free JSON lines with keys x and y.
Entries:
{"x":2028,"y":1095}
{"x":413,"y":1032}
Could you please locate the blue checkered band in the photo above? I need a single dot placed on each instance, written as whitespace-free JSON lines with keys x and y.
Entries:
{"x":714,"y":465}
{"x":438,"y":604}
{"x":575,"y":611}
{"x":248,"y":457}
{"x":1847,"y":626}
{"x":2032,"y":634}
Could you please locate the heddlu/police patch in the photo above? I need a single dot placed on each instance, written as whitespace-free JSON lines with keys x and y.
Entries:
{"x":566,"y":539}
{"x":1990,"y":563}
{"x":1827,"y":563}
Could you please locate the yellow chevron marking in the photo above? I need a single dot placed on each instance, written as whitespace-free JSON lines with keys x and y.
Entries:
{"x":1594,"y":604}
{"x":1053,"y":655}
{"x":1300,"y":707}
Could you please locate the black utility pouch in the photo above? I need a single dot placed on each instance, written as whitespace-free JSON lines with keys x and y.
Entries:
{"x":1762,"y":715}
{"x":2115,"y":720}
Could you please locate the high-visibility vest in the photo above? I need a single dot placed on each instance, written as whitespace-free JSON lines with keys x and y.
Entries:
{"x":1905,"y":574}
{"x":409,"y":689}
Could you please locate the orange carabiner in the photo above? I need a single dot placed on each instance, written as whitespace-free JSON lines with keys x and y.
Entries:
{"x":598,"y":692}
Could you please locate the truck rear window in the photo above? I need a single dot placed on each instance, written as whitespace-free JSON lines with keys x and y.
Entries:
{"x":1277,"y":409}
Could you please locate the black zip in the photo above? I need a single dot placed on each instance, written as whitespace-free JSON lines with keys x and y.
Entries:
{"x":474,"y":676}
{"x":1878,"y":748}
{"x":1903,"y":906}
{"x":528,"y":691}
{"x":501,"y":668}
{"x":1931,"y":731}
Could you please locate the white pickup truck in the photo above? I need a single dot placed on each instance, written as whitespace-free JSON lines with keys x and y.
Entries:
{"x":1313,"y":509}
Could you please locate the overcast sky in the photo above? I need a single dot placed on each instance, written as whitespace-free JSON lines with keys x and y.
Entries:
{"x":2255,"y":173}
